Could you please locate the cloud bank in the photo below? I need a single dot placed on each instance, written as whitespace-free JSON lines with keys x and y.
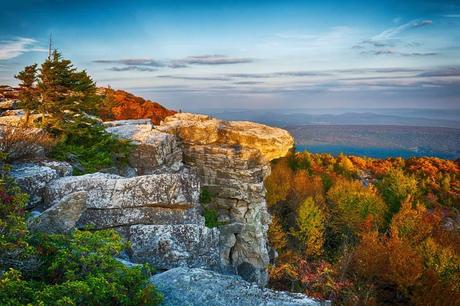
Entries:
{"x":13,"y":48}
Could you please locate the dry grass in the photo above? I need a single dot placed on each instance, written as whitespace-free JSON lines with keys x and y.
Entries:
{"x":24,"y":143}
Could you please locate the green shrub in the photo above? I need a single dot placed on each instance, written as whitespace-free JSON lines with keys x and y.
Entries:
{"x":80,"y":269}
{"x":74,"y":269}
{"x":15,"y":250}
{"x":205,"y":196}
{"x":211,"y":217}
{"x":91,"y":148}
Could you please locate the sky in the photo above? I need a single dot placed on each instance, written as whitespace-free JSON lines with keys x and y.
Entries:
{"x":248,"y":54}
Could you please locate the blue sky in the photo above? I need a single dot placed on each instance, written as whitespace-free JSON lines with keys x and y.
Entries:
{"x":249,"y":54}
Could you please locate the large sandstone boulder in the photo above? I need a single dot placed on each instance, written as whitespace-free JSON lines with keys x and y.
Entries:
{"x":202,"y":129}
{"x":155,"y":152}
{"x":184,"y":286}
{"x":159,"y":214}
{"x":232,"y":159}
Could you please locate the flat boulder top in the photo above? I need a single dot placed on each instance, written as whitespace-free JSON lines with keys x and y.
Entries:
{"x":195,"y":286}
{"x":196,"y":129}
{"x":138,"y":131}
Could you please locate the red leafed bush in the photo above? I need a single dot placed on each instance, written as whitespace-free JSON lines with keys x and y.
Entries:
{"x":120,"y":105}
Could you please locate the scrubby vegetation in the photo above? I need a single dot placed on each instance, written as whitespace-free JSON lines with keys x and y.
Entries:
{"x":363,"y":231}
{"x":74,"y":269}
{"x":211,"y":217}
{"x":68,"y":104}
{"x":121,"y":105}
{"x":77,"y":268}
{"x":17,"y":143}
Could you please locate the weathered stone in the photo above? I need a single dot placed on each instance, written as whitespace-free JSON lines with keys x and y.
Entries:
{"x":232,"y":160}
{"x":108,"y":191}
{"x":197,"y":129}
{"x":18,"y":120}
{"x":127,"y":122}
{"x":158,"y":213}
{"x":62,"y":216}
{"x":169,"y":246}
{"x":116,"y":217}
{"x":14,"y":112}
{"x":155,"y":152}
{"x":32,"y":178}
{"x":61,"y":168}
{"x":8,"y":104}
{"x":184,"y":286}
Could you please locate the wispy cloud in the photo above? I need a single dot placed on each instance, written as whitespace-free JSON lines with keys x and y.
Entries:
{"x":248,"y":82}
{"x":137,"y":64}
{"x":133,"y":68}
{"x":388,"y":43}
{"x":301,"y":73}
{"x":393,"y":52}
{"x":452,"y":15}
{"x":195,"y":78}
{"x":450,"y":71}
{"x":132,"y":62}
{"x":12,"y":48}
{"x":390,"y":33}
{"x":213,"y":60}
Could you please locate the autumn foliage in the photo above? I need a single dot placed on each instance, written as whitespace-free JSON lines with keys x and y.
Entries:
{"x":363,"y":231}
{"x":121,"y":105}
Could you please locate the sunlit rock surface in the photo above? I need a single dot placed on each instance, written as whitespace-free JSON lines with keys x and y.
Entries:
{"x":155,"y":152}
{"x":232,"y":159}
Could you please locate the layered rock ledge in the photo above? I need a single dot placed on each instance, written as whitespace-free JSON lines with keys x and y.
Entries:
{"x":231,"y":159}
{"x":159,"y":214}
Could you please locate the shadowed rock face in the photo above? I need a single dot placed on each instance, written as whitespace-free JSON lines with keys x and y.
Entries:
{"x":232,"y":160}
{"x":61,"y":217}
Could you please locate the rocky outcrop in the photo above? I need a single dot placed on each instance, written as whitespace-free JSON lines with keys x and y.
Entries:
{"x":157,"y":206}
{"x":62,"y":217}
{"x":33,"y":178}
{"x":232,"y":160}
{"x":159,"y":214}
{"x":184,"y":286}
{"x":155,"y":152}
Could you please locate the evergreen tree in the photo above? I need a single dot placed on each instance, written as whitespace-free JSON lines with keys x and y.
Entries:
{"x":68,"y":96}
{"x":28,"y":92}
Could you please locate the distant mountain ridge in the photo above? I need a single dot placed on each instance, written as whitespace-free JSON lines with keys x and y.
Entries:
{"x":284,"y":119}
